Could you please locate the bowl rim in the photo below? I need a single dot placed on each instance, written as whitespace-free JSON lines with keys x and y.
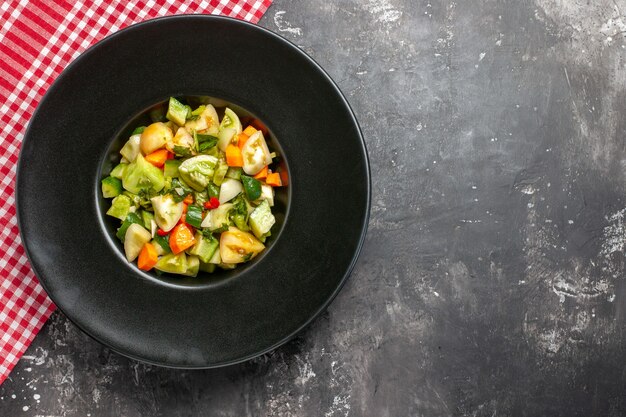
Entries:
{"x":364,"y":226}
{"x":169,"y":281}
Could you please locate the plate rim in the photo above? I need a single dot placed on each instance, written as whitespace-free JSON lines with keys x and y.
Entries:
{"x":368,"y":188}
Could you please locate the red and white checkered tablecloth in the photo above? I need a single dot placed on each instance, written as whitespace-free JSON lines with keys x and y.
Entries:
{"x":38,"y":39}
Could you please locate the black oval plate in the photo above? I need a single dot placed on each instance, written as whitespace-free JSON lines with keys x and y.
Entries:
{"x":82,"y":268}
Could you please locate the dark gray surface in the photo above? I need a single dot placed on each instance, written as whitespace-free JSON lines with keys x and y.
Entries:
{"x":492,"y":279}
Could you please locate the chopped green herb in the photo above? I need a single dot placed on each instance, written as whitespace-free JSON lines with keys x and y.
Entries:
{"x":138,"y":130}
{"x":182,"y":151}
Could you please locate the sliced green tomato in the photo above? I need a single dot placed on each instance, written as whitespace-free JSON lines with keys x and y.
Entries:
{"x":231,"y":121}
{"x":255,"y":154}
{"x":218,"y":218}
{"x":225,"y":137}
{"x":198,"y":171}
{"x":194,"y":216}
{"x":118,"y":171}
{"x":177,"y":112}
{"x":136,"y":236}
{"x":252,"y":187}
{"x":174,"y":264}
{"x":213,"y":122}
{"x":120,"y":207}
{"x":238,"y":247}
{"x":229,"y":128}
{"x":262,"y":219}
{"x":230,"y":189}
{"x":111,"y":187}
{"x":207,"y":121}
{"x":142,"y":175}
{"x":193,"y":266}
{"x":167,"y":212}
{"x":130,"y":150}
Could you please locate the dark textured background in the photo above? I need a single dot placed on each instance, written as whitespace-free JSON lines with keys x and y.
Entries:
{"x":492,"y":279}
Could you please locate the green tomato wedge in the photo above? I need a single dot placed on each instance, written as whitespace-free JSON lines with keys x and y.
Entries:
{"x":198,"y":171}
{"x":206,"y":122}
{"x":231,"y":121}
{"x":229,"y":127}
{"x":255,"y":154}
{"x":142,"y":175}
{"x":167,"y":211}
{"x":237,"y":246}
{"x":225,"y":137}
{"x":174,"y":264}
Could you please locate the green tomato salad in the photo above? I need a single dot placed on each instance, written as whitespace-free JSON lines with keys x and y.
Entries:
{"x":193,"y":192}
